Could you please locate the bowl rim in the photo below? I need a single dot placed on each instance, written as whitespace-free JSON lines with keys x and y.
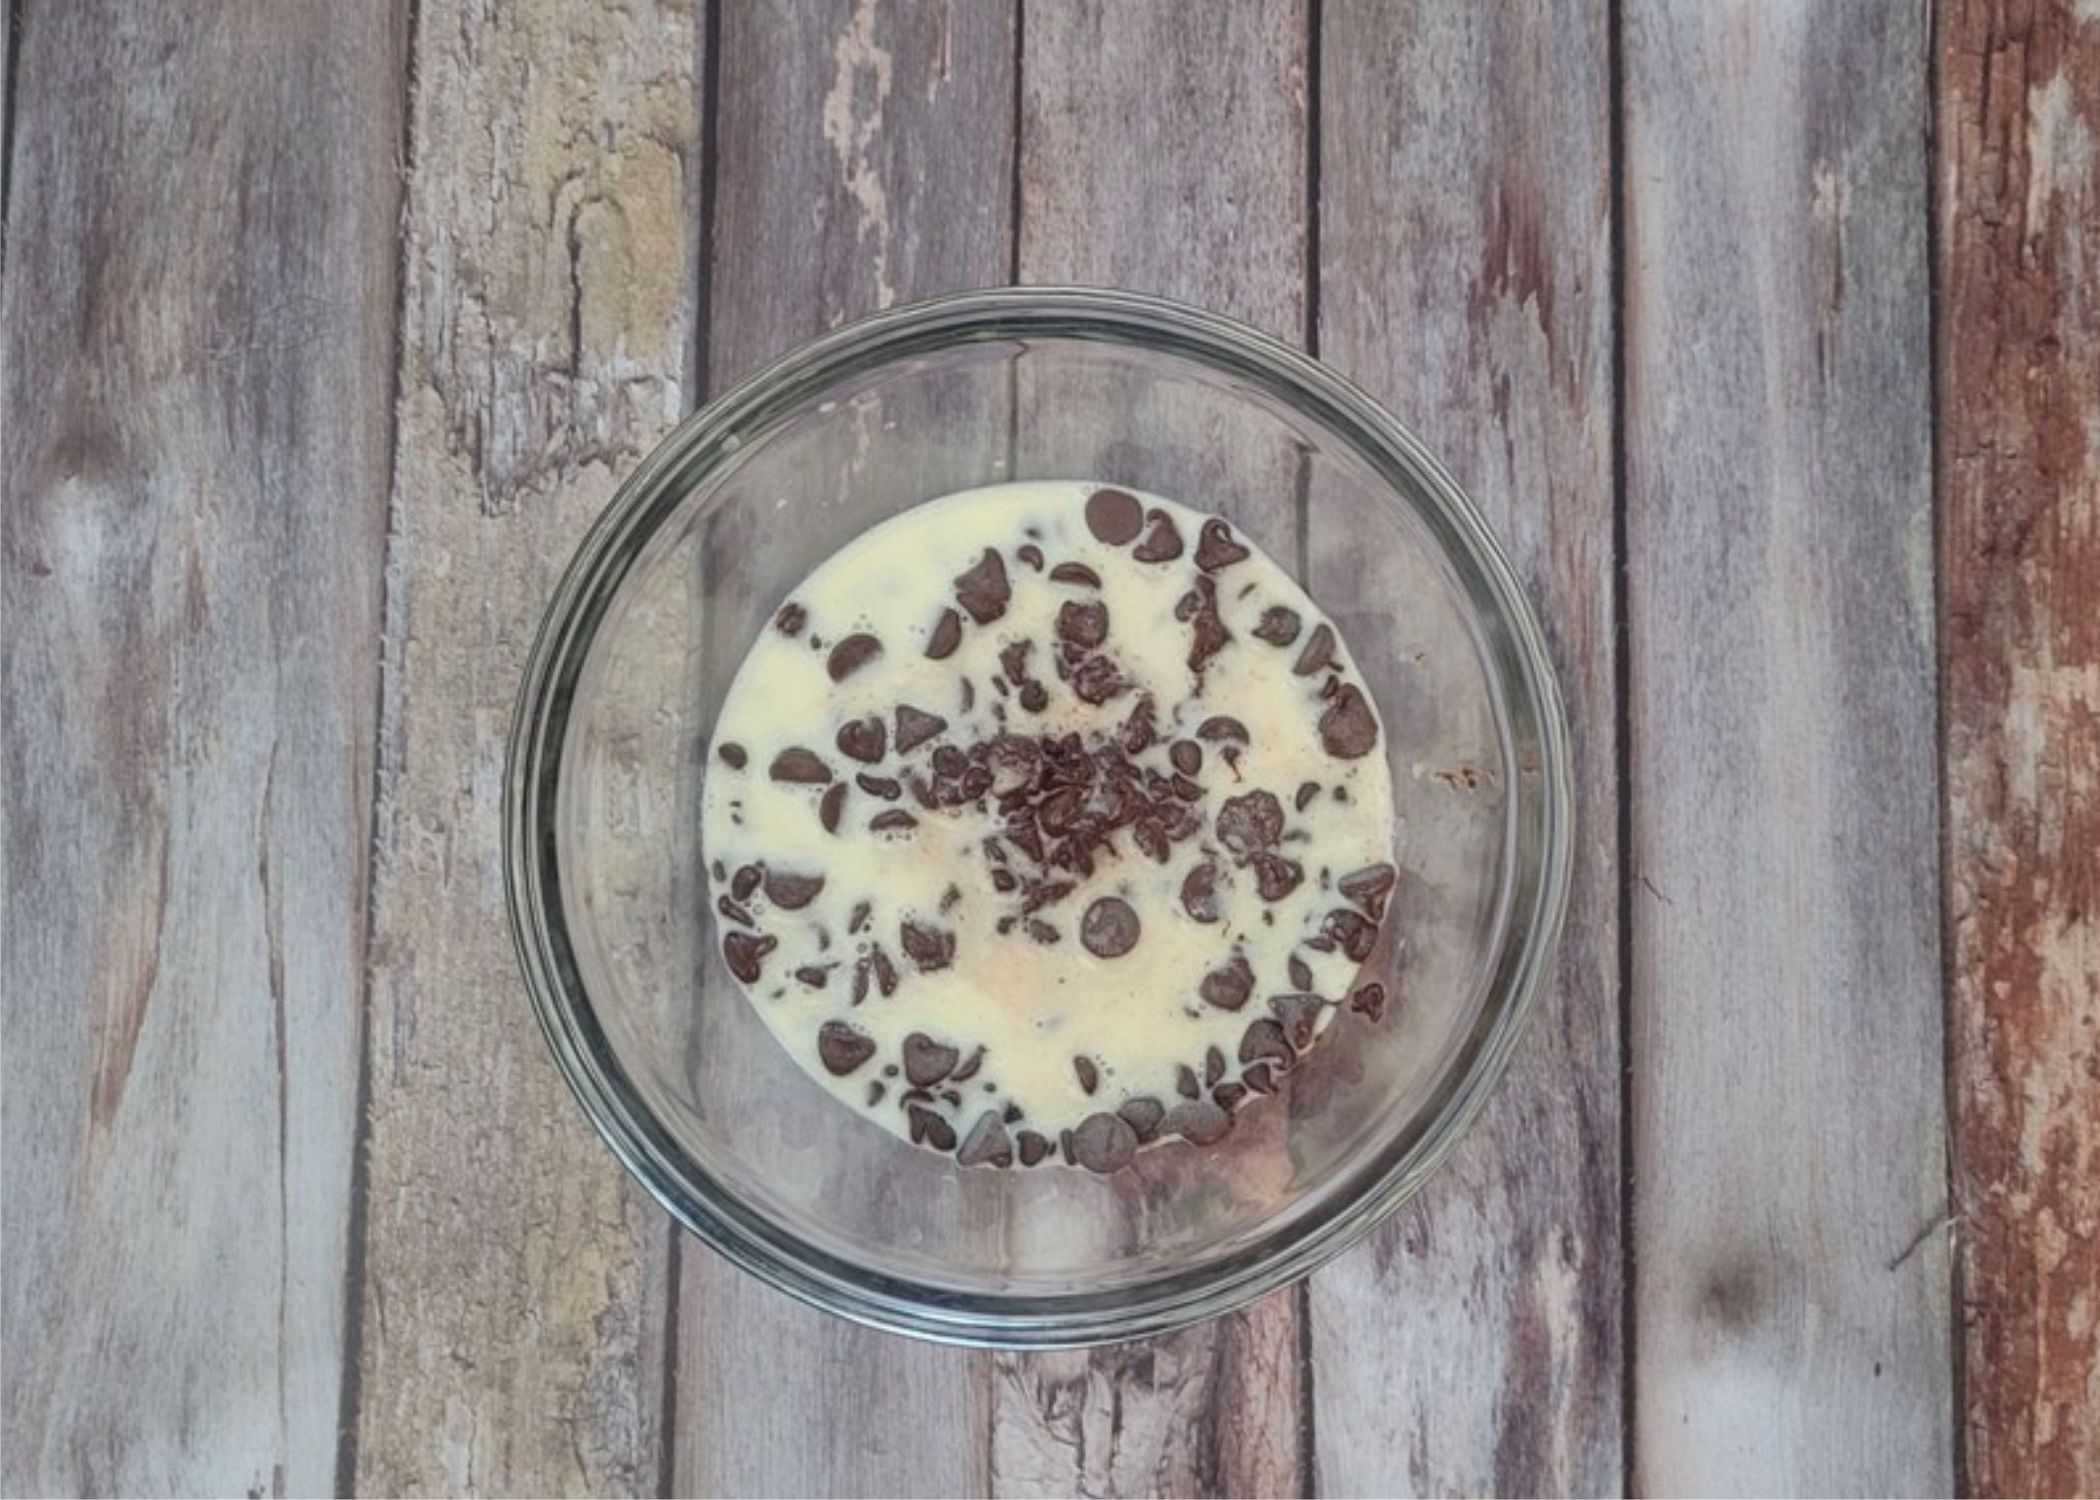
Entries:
{"x":568,"y":626}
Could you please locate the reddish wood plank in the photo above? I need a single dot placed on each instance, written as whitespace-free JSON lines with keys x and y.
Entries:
{"x":2019,"y":279}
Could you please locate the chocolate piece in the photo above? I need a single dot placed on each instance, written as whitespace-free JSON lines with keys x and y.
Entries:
{"x":733,"y":755}
{"x":1142,"y":1115}
{"x":1096,"y":682}
{"x":885,"y":971}
{"x":1264,"y":1039}
{"x":858,"y":917}
{"x":1200,"y":1122}
{"x":1301,"y":973}
{"x":1299,"y":1016}
{"x":951,"y":897}
{"x":892,"y":820}
{"x":1250,"y":822}
{"x":1104,"y":1143}
{"x":983,"y":590}
{"x":1369,"y":887}
{"x":1199,"y":892}
{"x":1077,"y":574}
{"x":929,"y":1128}
{"x":1089,"y":1075}
{"x":816,"y":976}
{"x":1207,"y":632}
{"x":1186,"y":789}
{"x":1082,"y":624}
{"x":987,"y":1142}
{"x":1186,"y":1083}
{"x":1012,"y":760}
{"x":1109,"y":929}
{"x":1279,"y":625}
{"x":1213,"y":1065}
{"x":879,"y":786}
{"x":1162,"y":543}
{"x":792,"y":892}
{"x":1318,"y":652}
{"x":832,"y":807}
{"x":1034,"y":1147}
{"x":746,"y":954}
{"x":791,"y":619}
{"x":843,"y":1048}
{"x":1355,"y":935}
{"x":1137,"y":733}
{"x":1060,"y":810}
{"x":1114,"y":516}
{"x":1369,"y":1001}
{"x":1150,"y":835}
{"x":915,"y":727}
{"x":1348,"y":729}
{"x":1030,"y":553}
{"x":851,"y":654}
{"x":926,"y":1061}
{"x":1222,"y":727}
{"x":1186,"y":606}
{"x":969,"y":1067}
{"x":947,"y":635}
{"x":1274,"y":876}
{"x":734,"y":912}
{"x":1034,"y":696}
{"x":876,"y":1090}
{"x":746,"y":880}
{"x":1259,"y":1078}
{"x":1215,"y":547}
{"x":1187,"y":757}
{"x":800,"y":767}
{"x":864,"y":740}
{"x":1307,"y":790}
{"x":1228,"y":1095}
{"x":1228,"y":987}
{"x":928,"y":947}
{"x":1042,"y":932}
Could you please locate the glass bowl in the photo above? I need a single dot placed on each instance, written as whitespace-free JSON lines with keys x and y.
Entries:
{"x":606,"y":871}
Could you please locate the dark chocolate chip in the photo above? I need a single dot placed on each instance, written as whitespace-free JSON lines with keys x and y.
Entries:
{"x":969,"y":1067}
{"x":1012,"y":760}
{"x":1318,"y":652}
{"x":746,"y":880}
{"x":1215,"y":547}
{"x":1034,"y":1147}
{"x":928,"y":947}
{"x":1082,"y":624}
{"x":1356,"y":936}
{"x":1034,"y":696}
{"x":1228,"y":986}
{"x":885,"y":971}
{"x":879,"y":786}
{"x":1064,"y":1144}
{"x":1199,"y":892}
{"x":733,"y":911}
{"x":1142,"y":1115}
{"x":1089,"y":1075}
{"x":800,"y":767}
{"x":1109,"y":929}
{"x":816,"y":976}
{"x":851,"y":654}
{"x":1199,"y":1122}
{"x":791,"y":619}
{"x":1186,"y":789}
{"x":1186,"y":606}
{"x":843,"y":1048}
{"x":1260,"y":1078}
{"x":1349,"y":729}
{"x":1250,"y":822}
{"x":1187,"y":756}
{"x":858,"y":917}
{"x":861,"y":966}
{"x":832,"y":807}
{"x":1369,"y":887}
{"x":1097,"y":681}
{"x":865,"y":740}
{"x":1030,"y":553}
{"x":1186,"y":1083}
{"x":1301,"y":973}
{"x":1042,"y":932}
{"x":1207,"y":633}
{"x":792,"y":892}
{"x":876,"y":1090}
{"x":1274,"y":876}
{"x":1279,"y":625}
{"x":1150,"y":835}
{"x":1104,"y":1143}
{"x":927,"y":1126}
{"x":1138,"y":731}
{"x":926,"y":1061}
{"x":1077,"y":574}
{"x":1222,"y":727}
{"x":746,"y":954}
{"x":1369,"y":1001}
{"x":733,"y":755}
{"x":987,"y":1141}
{"x":983,"y":589}
{"x":951,"y":897}
{"x":1114,"y":516}
{"x":1299,"y":1016}
{"x":892,"y":820}
{"x":1162,"y":543}
{"x":1228,"y":1095}
{"x":1307,"y":790}
{"x":915,"y":727}
{"x":1213,"y":1065}
{"x":1060,"y":810}
{"x":947,"y":635}
{"x":1265,"y":1039}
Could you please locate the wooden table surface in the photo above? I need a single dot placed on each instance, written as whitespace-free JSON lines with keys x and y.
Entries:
{"x":1766,"y":333}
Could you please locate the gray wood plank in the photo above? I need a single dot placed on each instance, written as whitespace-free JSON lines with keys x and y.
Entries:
{"x":196,"y":341}
{"x":513,"y":1310}
{"x":1789,"y":1110}
{"x":1474,"y":1344}
{"x":2019,"y":288}
{"x":1163,"y":149}
{"x":864,"y":157}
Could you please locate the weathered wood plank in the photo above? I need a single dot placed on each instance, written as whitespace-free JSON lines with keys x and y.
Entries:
{"x":1163,"y":149}
{"x":1474,"y":1345}
{"x":2019,"y":281}
{"x":197,"y":336}
{"x":1789,"y":1105}
{"x":514,"y":1290}
{"x":864,"y":157}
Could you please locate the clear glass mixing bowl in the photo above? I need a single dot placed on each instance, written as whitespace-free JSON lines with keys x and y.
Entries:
{"x":606,"y":869}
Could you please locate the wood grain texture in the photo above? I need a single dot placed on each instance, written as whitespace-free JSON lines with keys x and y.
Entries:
{"x":1163,"y":149}
{"x":2019,"y":282}
{"x":197,"y":331}
{"x":1474,"y":1344}
{"x":864,"y":157}
{"x":514,"y":1282}
{"x":1788,"y":1097}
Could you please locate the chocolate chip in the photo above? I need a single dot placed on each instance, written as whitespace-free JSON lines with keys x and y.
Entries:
{"x":1274,"y":876}
{"x":1104,"y":1143}
{"x":1034,"y":696}
{"x":1216,"y":549}
{"x":1150,"y":835}
{"x":1064,"y":1144}
{"x":947,"y":635}
{"x":792,"y":892}
{"x":1138,"y":731}
{"x":892,"y":820}
{"x":1301,"y":973}
{"x":1187,"y":757}
{"x":1279,"y":625}
{"x":928,"y":947}
{"x":1260,"y":1078}
{"x":1200,"y":1122}
{"x":987,"y":1142}
{"x":983,"y":589}
{"x":969,"y":1067}
{"x":1228,"y":1095}
{"x":1207,"y":633}
{"x":1369,"y":888}
{"x":876,"y":1090}
{"x":1299,"y":1016}
{"x":926,"y":1061}
{"x":719,"y":872}
{"x":746,"y":954}
{"x":1060,"y":810}
{"x":733,"y":755}
{"x":1042,"y":932}
{"x":800,"y":767}
{"x":885,"y":971}
{"x":1142,"y":1115}
{"x":969,"y":695}
{"x":1228,"y":987}
{"x":1186,"y":789}
{"x":927,"y":1126}
{"x":1307,"y":790}
{"x":1109,"y":929}
{"x":1082,"y":624}
{"x":791,"y":619}
{"x":1250,"y":822}
{"x":861,"y":966}
{"x":842,"y":1048}
{"x":1031,"y":554}
{"x":1012,"y":760}
{"x":1199,"y":892}
{"x":951,"y":897}
{"x":1369,"y":1001}
{"x":746,"y":881}
{"x":1349,"y":729}
{"x":850,"y":655}
{"x":1355,"y":935}
{"x":733,"y":911}
{"x":832,"y":807}
{"x":1213,"y":1065}
{"x":1089,"y":1075}
{"x":1162,"y":543}
{"x":858,"y":918}
{"x":864,"y":740}
{"x":1265,"y":1039}
{"x":1186,"y":606}
{"x":816,"y":976}
{"x":1077,"y":574}
{"x":1113,"y":516}
{"x":1034,"y":1147}
{"x":1318,"y":652}
{"x":1222,"y":727}
{"x":1185,"y":1082}
{"x":915,"y":727}
{"x":1097,"y":681}
{"x":879,"y":786}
